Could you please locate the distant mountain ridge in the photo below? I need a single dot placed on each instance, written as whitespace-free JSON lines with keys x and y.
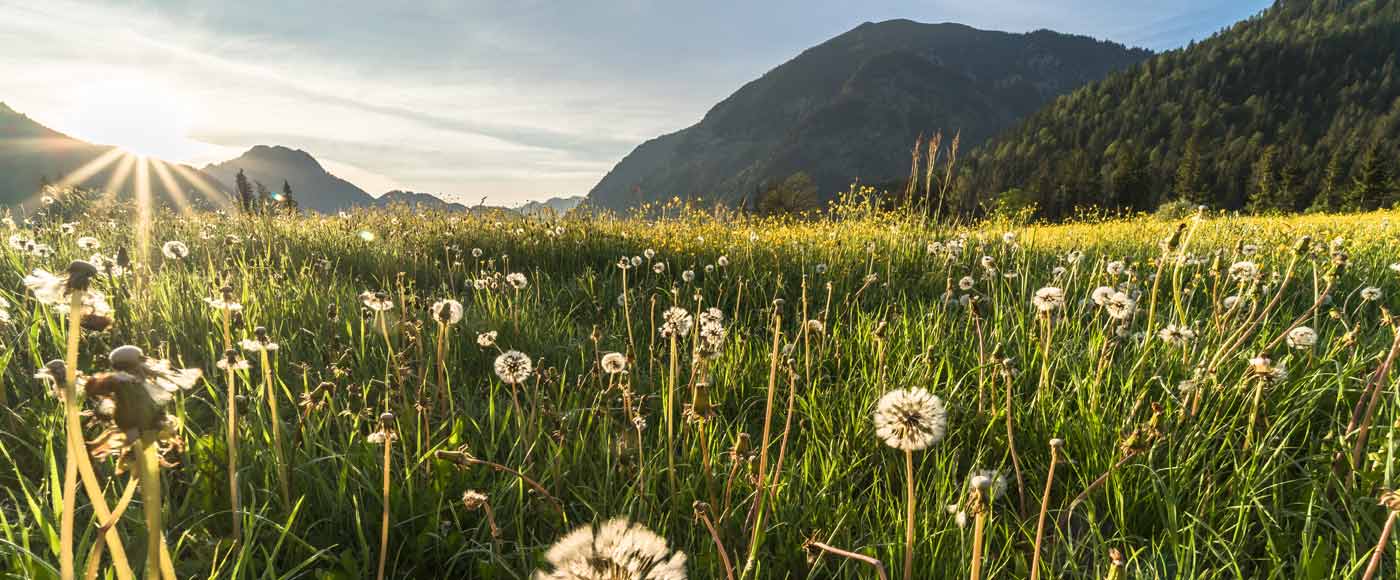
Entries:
{"x":417,"y":201}
{"x":852,"y":107}
{"x":31,"y":154}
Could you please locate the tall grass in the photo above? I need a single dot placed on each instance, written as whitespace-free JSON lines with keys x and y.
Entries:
{"x":1244,"y":473}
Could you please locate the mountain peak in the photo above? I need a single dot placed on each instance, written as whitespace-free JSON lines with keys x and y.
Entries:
{"x":313,"y":187}
{"x":282,"y":154}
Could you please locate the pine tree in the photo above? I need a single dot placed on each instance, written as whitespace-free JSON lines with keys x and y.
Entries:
{"x":1263,"y":190}
{"x":1328,"y":197}
{"x":264,"y":196}
{"x":1370,"y":182}
{"x":245,"y":191}
{"x":1188,"y":173}
{"x":288,"y":200}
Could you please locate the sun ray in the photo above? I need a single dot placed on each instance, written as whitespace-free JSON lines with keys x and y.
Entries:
{"x":167,"y":181}
{"x":115,"y":183}
{"x":143,"y":207}
{"x":208,"y":191}
{"x":91,"y":168}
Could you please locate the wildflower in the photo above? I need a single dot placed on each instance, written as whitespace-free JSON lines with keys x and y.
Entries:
{"x":1115,"y":268}
{"x":1058,"y":272}
{"x":1244,"y":271}
{"x":386,"y":433}
{"x":1074,"y":256}
{"x":473,"y":500}
{"x":1302,"y":338}
{"x":821,"y":269}
{"x":376,"y":301}
{"x":712,"y":333}
{"x":513,"y":367}
{"x":20,"y":243}
{"x":41,"y":250}
{"x":616,"y":550}
{"x":658,"y":267}
{"x":517,"y":280}
{"x":260,"y":342}
{"x":486,"y":339}
{"x":175,"y":250}
{"x":233,"y":362}
{"x":1177,"y":335}
{"x":636,"y":261}
{"x":1048,"y":299}
{"x":1230,"y":302}
{"x":910,"y":419}
{"x":676,"y":321}
{"x":614,"y":363}
{"x":996,"y":482}
{"x":1263,"y":367}
{"x":815,"y":326}
{"x":966,"y":283}
{"x":51,"y":288}
{"x":476,"y":252}
{"x":1120,"y":306}
{"x":88,"y":243}
{"x":1371,"y":294}
{"x":68,"y":229}
{"x":709,"y":268}
{"x":723,"y":261}
{"x":1248,"y":250}
{"x":1101,"y":294}
{"x":649,"y":253}
{"x":688,"y":276}
{"x":139,"y":388}
{"x":447,"y":311}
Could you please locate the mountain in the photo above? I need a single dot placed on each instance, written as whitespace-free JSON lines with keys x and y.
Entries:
{"x":417,"y":200}
{"x":32,"y":154}
{"x":556,"y":206}
{"x":1295,"y":108}
{"x":853,"y":106}
{"x":313,"y":187}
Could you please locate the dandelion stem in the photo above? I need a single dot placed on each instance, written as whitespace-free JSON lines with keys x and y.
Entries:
{"x":74,"y":447}
{"x":702,"y":513}
{"x":909,"y":514}
{"x":384,"y":522}
{"x":232,"y":436}
{"x":879,"y":567}
{"x":1044,"y":509}
{"x":979,"y":527}
{"x":158,"y":563}
{"x":1375,"y":565}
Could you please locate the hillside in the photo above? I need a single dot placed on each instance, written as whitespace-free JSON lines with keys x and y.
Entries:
{"x":316,"y":189}
{"x":852,"y":107}
{"x":417,"y":200}
{"x":1294,"y":108}
{"x":32,"y":154}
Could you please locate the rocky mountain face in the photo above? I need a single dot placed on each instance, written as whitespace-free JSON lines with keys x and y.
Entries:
{"x":852,"y":107}
{"x":416,"y":200}
{"x":32,"y":155}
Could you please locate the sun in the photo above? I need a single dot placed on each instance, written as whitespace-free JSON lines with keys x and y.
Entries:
{"x":140,"y":115}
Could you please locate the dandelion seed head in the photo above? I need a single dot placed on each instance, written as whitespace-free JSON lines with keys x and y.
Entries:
{"x":447,"y":311}
{"x":1302,"y":338}
{"x":486,"y":339}
{"x":910,"y":419}
{"x":616,"y":550}
{"x":1048,"y":299}
{"x":513,"y":367}
{"x":614,"y":363}
{"x":175,"y":250}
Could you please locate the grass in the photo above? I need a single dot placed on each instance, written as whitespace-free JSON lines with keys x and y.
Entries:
{"x":1196,"y":490}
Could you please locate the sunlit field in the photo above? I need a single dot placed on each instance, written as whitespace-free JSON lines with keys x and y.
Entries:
{"x":866,"y":395}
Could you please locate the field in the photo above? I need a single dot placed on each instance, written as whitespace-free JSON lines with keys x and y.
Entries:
{"x":1224,"y":404}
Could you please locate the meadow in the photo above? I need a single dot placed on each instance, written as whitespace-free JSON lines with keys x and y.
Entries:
{"x":424,"y":395}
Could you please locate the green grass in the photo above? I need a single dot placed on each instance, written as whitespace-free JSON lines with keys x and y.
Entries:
{"x":1197,"y":503}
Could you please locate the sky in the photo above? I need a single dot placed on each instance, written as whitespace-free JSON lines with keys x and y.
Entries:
{"x":507,"y":100}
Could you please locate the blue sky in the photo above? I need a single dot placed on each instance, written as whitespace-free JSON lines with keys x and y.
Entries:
{"x":511,"y":100}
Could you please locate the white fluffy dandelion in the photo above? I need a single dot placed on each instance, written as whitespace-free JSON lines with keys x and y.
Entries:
{"x":1048,"y":299}
{"x":1244,"y":271}
{"x":910,"y":419}
{"x":614,"y":363}
{"x":1120,"y":306}
{"x":676,"y":321}
{"x":89,"y":243}
{"x":175,"y":250}
{"x":1302,"y":338}
{"x":447,"y":311}
{"x":486,"y":339}
{"x":1177,"y":335}
{"x":1371,"y":294}
{"x":513,"y":367}
{"x":616,"y":550}
{"x":376,"y":301}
